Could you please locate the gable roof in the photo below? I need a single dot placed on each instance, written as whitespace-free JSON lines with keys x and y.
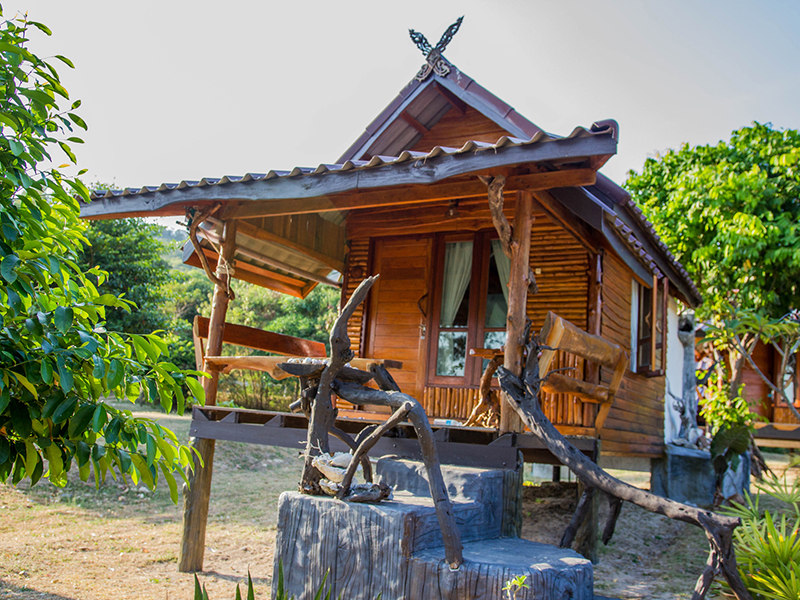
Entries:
{"x":426,"y":102}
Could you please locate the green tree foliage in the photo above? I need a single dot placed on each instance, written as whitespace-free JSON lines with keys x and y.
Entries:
{"x":731,"y":214}
{"x":57,"y":360}
{"x":130,"y":252}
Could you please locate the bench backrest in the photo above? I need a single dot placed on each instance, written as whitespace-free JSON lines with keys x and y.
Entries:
{"x":257,"y":339}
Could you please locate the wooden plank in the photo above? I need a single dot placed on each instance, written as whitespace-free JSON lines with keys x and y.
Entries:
{"x":259,"y":339}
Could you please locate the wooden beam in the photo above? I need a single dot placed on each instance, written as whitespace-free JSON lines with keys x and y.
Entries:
{"x":518,"y":283}
{"x":562,"y":216}
{"x":416,"y":194}
{"x":258,"y":276}
{"x":454,"y":101}
{"x":413,"y":122}
{"x":256,"y":233}
{"x":196,"y":496}
{"x":259,"y":339}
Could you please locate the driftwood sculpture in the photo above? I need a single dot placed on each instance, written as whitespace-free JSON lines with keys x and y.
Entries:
{"x":318,"y":381}
{"x":523,"y":392}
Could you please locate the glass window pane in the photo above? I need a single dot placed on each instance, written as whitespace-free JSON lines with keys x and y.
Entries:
{"x":452,"y":355}
{"x":492,"y":339}
{"x":455,"y":289}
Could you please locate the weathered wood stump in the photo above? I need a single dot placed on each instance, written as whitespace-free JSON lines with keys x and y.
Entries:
{"x":395,"y":547}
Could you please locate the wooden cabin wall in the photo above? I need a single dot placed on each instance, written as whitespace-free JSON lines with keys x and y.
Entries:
{"x":357,"y":270}
{"x":635,"y":425}
{"x":394,"y":315}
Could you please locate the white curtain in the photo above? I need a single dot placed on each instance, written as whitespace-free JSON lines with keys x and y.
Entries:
{"x":457,"y":271}
{"x":503,"y":264}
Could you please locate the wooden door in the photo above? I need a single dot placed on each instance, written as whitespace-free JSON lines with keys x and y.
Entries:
{"x":398,"y":308}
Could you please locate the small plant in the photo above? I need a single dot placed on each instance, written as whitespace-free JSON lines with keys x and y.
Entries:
{"x":200,"y":593}
{"x":768,"y":546}
{"x":513,"y":586}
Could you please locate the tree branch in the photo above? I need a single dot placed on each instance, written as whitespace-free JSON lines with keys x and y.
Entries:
{"x":322,"y":412}
{"x":495,"y":188}
{"x":523,"y":394}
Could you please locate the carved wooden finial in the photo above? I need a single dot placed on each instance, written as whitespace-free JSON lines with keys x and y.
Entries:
{"x":435,"y":61}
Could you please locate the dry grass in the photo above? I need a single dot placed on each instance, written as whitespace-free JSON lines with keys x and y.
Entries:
{"x":122,"y":542}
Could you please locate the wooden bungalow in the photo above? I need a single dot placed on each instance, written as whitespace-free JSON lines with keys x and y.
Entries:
{"x":408,"y":200}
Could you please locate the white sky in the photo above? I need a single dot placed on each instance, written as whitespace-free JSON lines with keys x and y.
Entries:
{"x":178,"y":89}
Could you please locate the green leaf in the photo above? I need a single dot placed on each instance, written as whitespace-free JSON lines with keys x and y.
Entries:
{"x":151,"y":450}
{"x":14,"y":301}
{"x":8,"y":268}
{"x":53,"y":453}
{"x":65,"y":377}
{"x":67,"y":62}
{"x":197,"y":390}
{"x":46,"y":371}
{"x":21,"y":420}
{"x":41,"y":27}
{"x":173,"y":486}
{"x":99,"y":370}
{"x":65,"y":410}
{"x":83,"y":453}
{"x":5,"y":398}
{"x":80,"y":422}
{"x":99,"y":418}
{"x":5,"y":451}
{"x":27,"y":384}
{"x":78,"y":121}
{"x":63,"y":318}
{"x":116,"y":371}
{"x":124,"y":461}
{"x":16,"y":147}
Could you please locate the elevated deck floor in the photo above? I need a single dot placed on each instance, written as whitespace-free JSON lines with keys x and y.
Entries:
{"x":465,"y":446}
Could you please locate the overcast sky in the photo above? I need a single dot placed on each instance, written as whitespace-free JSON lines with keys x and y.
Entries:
{"x":176,"y":89}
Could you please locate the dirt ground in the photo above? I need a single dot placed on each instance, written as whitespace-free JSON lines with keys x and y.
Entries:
{"x":122,"y":542}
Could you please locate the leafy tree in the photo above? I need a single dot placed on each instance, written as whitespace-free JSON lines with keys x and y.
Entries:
{"x":57,"y":360}
{"x":731,"y":214}
{"x":129,"y":251}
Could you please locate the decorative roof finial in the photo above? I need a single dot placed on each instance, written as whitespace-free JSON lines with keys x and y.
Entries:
{"x":435,"y":62}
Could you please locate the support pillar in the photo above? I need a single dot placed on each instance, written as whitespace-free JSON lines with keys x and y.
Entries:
{"x":196,"y":496}
{"x":518,"y":283}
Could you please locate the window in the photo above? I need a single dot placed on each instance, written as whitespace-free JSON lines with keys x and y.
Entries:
{"x":649,"y":326}
{"x":470,"y":306}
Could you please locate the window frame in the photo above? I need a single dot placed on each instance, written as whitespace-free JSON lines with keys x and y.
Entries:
{"x":476,"y":327}
{"x":656,"y":336}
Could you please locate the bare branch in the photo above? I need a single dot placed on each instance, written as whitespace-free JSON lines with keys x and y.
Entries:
{"x":366,"y":445}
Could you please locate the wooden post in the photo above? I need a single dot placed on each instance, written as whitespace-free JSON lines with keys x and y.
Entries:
{"x":196,"y":497}
{"x":518,"y":282}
